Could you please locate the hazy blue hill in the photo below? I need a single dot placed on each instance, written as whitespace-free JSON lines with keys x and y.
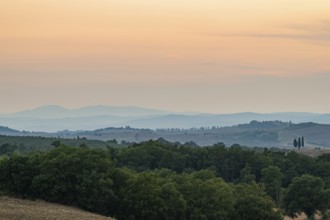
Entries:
{"x":270,"y":125}
{"x":324,"y":118}
{"x":118,"y":111}
{"x":303,"y":125}
{"x":317,"y":134}
{"x":53,"y":118}
{"x":175,"y":121}
{"x":7,"y":130}
{"x":54,"y":111}
{"x":255,"y":133}
{"x":58,"y":124}
{"x":50,"y":111}
{"x":209,"y":120}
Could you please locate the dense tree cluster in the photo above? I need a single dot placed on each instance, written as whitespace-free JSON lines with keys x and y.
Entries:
{"x":161,"y":180}
{"x":300,"y":142}
{"x":26,"y":144}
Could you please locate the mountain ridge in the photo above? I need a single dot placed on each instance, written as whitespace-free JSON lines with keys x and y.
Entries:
{"x":57,"y":111}
{"x":53,"y":118}
{"x":255,"y":133}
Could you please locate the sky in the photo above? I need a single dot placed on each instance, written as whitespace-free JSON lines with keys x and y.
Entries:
{"x":215,"y":56}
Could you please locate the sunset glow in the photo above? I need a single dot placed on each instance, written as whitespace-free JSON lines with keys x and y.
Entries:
{"x":210,"y":56}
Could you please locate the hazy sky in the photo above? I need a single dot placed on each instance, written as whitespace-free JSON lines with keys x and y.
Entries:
{"x":216,"y":56}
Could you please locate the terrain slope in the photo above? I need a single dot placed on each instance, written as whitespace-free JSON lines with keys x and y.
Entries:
{"x":17,"y":209}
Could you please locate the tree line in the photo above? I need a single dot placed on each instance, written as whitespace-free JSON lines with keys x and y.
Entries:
{"x":298,"y":143}
{"x":161,"y":180}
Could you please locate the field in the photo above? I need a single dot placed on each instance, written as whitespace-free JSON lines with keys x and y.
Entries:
{"x":14,"y":209}
{"x":17,"y":209}
{"x":302,"y":217}
{"x":312,"y":152}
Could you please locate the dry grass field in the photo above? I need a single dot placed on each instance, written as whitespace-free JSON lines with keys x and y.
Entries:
{"x":302,"y":217}
{"x":312,"y":152}
{"x":18,"y":209}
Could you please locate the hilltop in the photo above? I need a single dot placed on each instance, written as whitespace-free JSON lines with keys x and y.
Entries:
{"x":255,"y":133}
{"x":54,"y":118}
{"x":262,"y":134}
{"x":7,"y":130}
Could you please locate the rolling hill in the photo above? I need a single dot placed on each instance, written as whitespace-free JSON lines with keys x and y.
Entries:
{"x":55,"y":111}
{"x":17,"y":209}
{"x":261,"y":134}
{"x":55,"y":118}
{"x":7,"y":130}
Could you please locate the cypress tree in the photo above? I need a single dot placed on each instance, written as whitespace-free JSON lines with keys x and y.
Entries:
{"x":295,"y":143}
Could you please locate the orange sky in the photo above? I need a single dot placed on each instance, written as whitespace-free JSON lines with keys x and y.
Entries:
{"x":212,"y":56}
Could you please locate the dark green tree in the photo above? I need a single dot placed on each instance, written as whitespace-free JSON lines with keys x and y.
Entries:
{"x":207,"y":197}
{"x":302,"y":141}
{"x":16,"y":175}
{"x":76,"y":176}
{"x":306,"y":194}
{"x":252,"y":203}
{"x":295,"y":143}
{"x":246,"y":174}
{"x":272,"y":179}
{"x":56,"y":143}
{"x":7,"y":149}
{"x":148,"y":196}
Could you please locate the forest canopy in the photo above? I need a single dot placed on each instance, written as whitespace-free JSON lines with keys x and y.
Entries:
{"x":162,"y":180}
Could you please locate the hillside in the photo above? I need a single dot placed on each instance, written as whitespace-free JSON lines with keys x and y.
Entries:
{"x":54,"y":118}
{"x":55,"y":111}
{"x":7,"y":130}
{"x":150,"y":181}
{"x":261,"y":134}
{"x":17,"y":209}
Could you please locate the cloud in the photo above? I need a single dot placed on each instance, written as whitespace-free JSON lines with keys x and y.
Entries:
{"x":324,"y":37}
{"x":321,"y":25}
{"x":317,"y":32}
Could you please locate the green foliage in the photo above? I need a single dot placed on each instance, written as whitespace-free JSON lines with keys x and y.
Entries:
{"x":77,"y":176}
{"x":27,"y":144}
{"x":306,"y":194}
{"x":16,"y":175}
{"x":207,"y":198}
{"x":6,"y":149}
{"x":67,"y":175}
{"x":151,"y":155}
{"x":56,"y":143}
{"x":252,"y":203}
{"x":272,"y":179}
{"x":246,"y":175}
{"x":148,"y":196}
{"x":161,"y":180}
{"x":295,"y":143}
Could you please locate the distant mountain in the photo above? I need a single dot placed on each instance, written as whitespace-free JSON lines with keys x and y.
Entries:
{"x":54,"y":118}
{"x":7,"y":130}
{"x":66,"y":123}
{"x":209,"y":120}
{"x":54,"y":111}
